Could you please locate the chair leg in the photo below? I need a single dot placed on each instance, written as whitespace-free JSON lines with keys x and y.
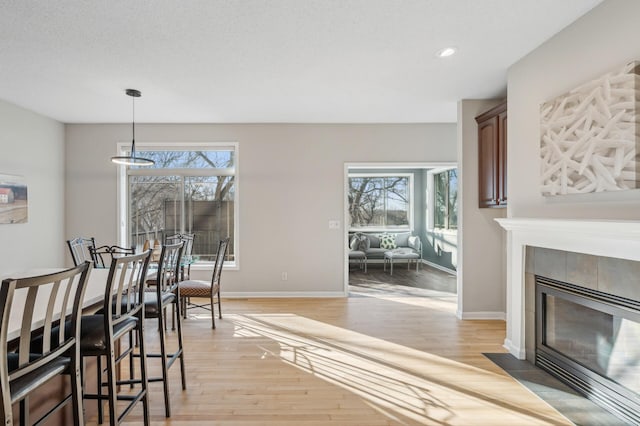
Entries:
{"x":131,"y":343}
{"x":180,"y":346}
{"x":390,"y":266}
{"x":111,"y":383}
{"x":76,"y":389}
{"x":99,"y":390}
{"x":213,"y":314}
{"x":219,"y":305}
{"x":143,"y":372}
{"x":163,"y":359}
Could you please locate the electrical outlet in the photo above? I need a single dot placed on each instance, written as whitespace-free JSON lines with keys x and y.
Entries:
{"x":285,"y":276}
{"x":334,"y":224}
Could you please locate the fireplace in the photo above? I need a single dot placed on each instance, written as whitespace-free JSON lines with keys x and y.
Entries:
{"x":589,"y":340}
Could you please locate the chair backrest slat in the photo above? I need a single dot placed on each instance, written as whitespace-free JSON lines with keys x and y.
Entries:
{"x":46,"y":336}
{"x":27,"y":322}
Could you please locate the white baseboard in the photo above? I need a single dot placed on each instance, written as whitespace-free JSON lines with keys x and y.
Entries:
{"x":440,"y":267}
{"x":513,"y":350}
{"x":481,"y":315}
{"x":283,"y":294}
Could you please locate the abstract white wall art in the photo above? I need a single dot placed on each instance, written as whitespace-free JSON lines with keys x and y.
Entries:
{"x":590,"y":136}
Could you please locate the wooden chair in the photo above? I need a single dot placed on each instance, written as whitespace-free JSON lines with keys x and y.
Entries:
{"x":197,"y":288}
{"x":80,"y":249}
{"x":26,"y":370}
{"x":165,"y":293}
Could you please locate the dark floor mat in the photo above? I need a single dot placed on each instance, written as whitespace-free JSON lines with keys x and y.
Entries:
{"x":568,"y":402}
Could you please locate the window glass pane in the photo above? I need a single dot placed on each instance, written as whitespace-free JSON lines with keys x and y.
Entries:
{"x":453,"y":199}
{"x":154,"y":208}
{"x":187,"y":159}
{"x":365,"y":202}
{"x":209,"y":214}
{"x":397,"y":195}
{"x":379,"y":201}
{"x":440,"y":207}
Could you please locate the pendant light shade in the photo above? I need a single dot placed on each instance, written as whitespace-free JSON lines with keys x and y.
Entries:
{"x":132,"y":159}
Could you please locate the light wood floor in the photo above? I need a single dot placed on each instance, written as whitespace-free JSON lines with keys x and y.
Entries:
{"x":369,"y":360}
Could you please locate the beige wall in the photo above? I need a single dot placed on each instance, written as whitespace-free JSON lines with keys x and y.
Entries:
{"x":291,"y":184}
{"x":481,"y":277}
{"x":604,"y":39}
{"x":33,"y":147}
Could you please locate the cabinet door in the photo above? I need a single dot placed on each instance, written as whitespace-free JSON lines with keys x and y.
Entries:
{"x":487,"y":158}
{"x":502,"y":159}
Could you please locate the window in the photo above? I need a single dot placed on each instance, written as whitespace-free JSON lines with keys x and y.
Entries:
{"x":186,"y":191}
{"x":379,"y":201}
{"x":446,"y":199}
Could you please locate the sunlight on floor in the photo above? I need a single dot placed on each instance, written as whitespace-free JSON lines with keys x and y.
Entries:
{"x":438,"y":300}
{"x":404,"y":384}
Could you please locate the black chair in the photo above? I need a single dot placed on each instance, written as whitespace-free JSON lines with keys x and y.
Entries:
{"x":103,"y":255}
{"x":187,"y":252}
{"x":26,"y":370}
{"x":80,"y":249}
{"x":197,"y":288}
{"x":165,"y":293}
{"x":103,"y":335}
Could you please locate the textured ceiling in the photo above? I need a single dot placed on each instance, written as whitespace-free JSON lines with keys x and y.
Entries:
{"x":295,"y":61}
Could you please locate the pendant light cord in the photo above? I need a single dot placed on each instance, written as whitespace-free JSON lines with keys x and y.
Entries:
{"x":133,"y":127}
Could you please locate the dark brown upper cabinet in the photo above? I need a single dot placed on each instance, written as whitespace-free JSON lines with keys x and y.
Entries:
{"x":492,"y":157}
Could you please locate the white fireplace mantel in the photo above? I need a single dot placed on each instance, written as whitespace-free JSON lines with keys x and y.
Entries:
{"x":611,"y":238}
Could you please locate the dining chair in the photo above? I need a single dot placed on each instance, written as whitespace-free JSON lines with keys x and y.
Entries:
{"x":198,"y":288}
{"x":163,"y":294}
{"x":103,"y":255}
{"x":187,"y":252}
{"x":80,"y":249}
{"x":58,"y":297}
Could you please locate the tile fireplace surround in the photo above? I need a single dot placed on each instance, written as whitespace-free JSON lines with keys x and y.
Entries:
{"x":617,"y":239}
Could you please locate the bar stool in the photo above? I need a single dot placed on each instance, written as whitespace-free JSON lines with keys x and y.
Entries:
{"x":26,"y":370}
{"x":165,"y":292}
{"x":122,"y":316}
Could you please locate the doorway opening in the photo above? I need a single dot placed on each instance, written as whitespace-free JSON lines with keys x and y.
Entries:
{"x":401,"y":233}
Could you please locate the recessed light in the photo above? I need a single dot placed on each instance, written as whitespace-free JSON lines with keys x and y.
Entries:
{"x":446,"y":52}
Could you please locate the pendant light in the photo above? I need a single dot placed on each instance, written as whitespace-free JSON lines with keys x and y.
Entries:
{"x":131,"y":159}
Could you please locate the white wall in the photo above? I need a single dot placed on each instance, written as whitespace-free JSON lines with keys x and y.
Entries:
{"x":604,"y":39}
{"x":291,"y":185}
{"x":33,"y":147}
{"x":481,"y":277}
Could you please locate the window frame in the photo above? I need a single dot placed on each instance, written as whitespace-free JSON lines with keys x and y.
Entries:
{"x":125,"y":171}
{"x":431,"y":225}
{"x":411,"y":208}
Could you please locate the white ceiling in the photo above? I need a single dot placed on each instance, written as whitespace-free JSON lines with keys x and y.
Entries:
{"x":294,"y":61}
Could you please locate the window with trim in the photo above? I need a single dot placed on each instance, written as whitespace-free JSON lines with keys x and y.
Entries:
{"x":380,"y":201}
{"x":186,"y":191}
{"x":446,"y":199}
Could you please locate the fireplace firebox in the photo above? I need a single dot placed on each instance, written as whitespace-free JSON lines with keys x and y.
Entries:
{"x":591,"y":341}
